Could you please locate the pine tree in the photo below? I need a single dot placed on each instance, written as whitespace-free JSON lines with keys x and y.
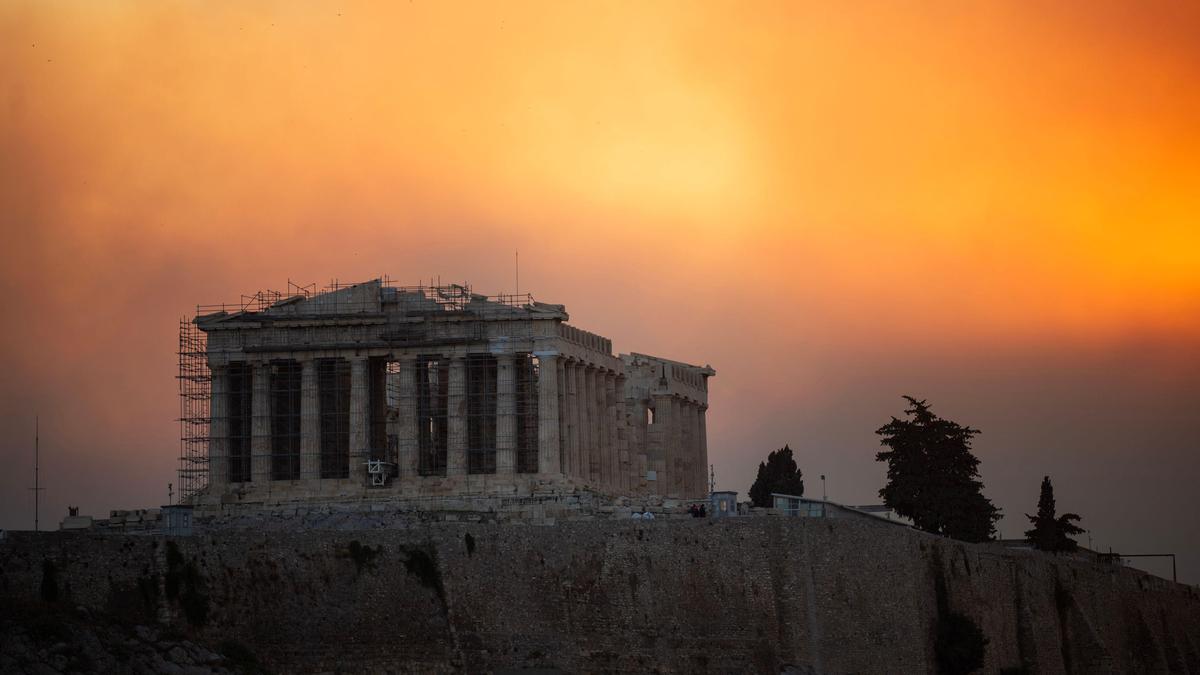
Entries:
{"x":932,"y":476}
{"x":778,"y":475}
{"x":1051,"y":533}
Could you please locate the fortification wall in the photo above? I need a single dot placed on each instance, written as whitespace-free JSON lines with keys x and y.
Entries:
{"x":732,"y":595}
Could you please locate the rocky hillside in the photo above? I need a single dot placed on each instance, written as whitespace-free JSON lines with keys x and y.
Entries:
{"x":763,"y":594}
{"x":56,"y":639}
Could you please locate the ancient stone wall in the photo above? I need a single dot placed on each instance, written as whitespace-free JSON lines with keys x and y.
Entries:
{"x":730,"y":595}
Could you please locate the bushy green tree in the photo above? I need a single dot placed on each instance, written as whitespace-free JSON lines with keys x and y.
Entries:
{"x":778,"y":474}
{"x":959,"y":645}
{"x":932,"y":476}
{"x":1050,"y":532}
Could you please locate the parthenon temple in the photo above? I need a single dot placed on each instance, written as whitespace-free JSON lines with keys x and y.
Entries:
{"x":434,"y":390}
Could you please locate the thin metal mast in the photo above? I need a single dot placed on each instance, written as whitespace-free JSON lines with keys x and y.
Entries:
{"x":37,"y":488}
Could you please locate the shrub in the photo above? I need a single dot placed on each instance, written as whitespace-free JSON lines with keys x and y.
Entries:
{"x":960,"y":644}
{"x":49,"y":581}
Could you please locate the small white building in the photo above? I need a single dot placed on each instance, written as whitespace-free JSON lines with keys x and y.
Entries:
{"x":75,"y":522}
{"x":177,"y":519}
{"x":794,"y":505}
{"x":723,"y":504}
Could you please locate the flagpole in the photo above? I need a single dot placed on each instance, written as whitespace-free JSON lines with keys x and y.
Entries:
{"x":37,"y":488}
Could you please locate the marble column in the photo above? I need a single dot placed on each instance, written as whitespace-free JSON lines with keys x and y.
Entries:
{"x":612,"y":458}
{"x":310,"y":422}
{"x":594,"y":406}
{"x":564,"y":449}
{"x":598,"y":408}
{"x":601,"y":410}
{"x":408,"y":438}
{"x":456,"y":409}
{"x":690,"y":466}
{"x":260,"y":425}
{"x":602,"y":418}
{"x":218,"y":430}
{"x":676,"y":435}
{"x":506,"y":414}
{"x":360,"y":410}
{"x":664,"y":420}
{"x":548,"y":422}
{"x":591,"y":456}
{"x":697,"y":458}
{"x":623,"y":443}
{"x":702,"y":436}
{"x":578,"y":456}
{"x":685,"y":440}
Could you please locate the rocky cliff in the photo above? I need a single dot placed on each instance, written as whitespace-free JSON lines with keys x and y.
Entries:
{"x":765,"y":594}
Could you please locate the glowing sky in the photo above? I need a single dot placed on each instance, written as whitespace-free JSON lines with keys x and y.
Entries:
{"x":993,"y":205}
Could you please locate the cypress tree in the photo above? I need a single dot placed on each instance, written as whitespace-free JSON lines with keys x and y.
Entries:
{"x":778,"y":474}
{"x":1051,"y":532}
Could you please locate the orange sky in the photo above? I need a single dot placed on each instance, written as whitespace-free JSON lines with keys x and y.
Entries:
{"x":995,"y":205}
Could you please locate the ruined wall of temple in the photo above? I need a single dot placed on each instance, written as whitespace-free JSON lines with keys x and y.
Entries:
{"x":668,"y":403}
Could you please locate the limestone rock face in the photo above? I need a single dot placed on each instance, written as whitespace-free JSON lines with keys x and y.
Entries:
{"x":767,"y":594}
{"x":61,"y":640}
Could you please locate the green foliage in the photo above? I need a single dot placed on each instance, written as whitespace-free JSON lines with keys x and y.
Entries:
{"x":932,"y":476}
{"x":174,"y":576}
{"x":421,"y":565}
{"x":183,"y":582}
{"x":1050,"y":532}
{"x":148,"y":590}
{"x":960,"y":644}
{"x":49,"y":581}
{"x":239,"y":657}
{"x":363,"y":556}
{"x":779,"y":474}
{"x":174,"y":557}
{"x":193,"y":600}
{"x":49,"y":627}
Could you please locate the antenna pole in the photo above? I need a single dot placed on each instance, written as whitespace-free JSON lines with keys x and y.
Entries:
{"x":517,"y":271}
{"x":37,"y":488}
{"x":36,"y":467}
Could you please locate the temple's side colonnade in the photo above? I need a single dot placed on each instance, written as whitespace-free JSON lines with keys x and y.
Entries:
{"x":372,"y":388}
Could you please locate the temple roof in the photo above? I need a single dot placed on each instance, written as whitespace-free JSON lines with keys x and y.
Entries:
{"x":379,"y":298}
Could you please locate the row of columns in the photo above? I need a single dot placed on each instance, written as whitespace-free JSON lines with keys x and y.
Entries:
{"x":580,"y":431}
{"x":506,"y":416}
{"x":683,"y":439}
{"x":408,"y":432}
{"x":594,"y":447}
{"x":260,"y":421}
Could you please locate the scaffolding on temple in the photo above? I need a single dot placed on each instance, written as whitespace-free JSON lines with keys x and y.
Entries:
{"x":267,"y":443}
{"x":195,"y":386}
{"x":491,"y":446}
{"x":195,"y":390}
{"x":433,"y":296}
